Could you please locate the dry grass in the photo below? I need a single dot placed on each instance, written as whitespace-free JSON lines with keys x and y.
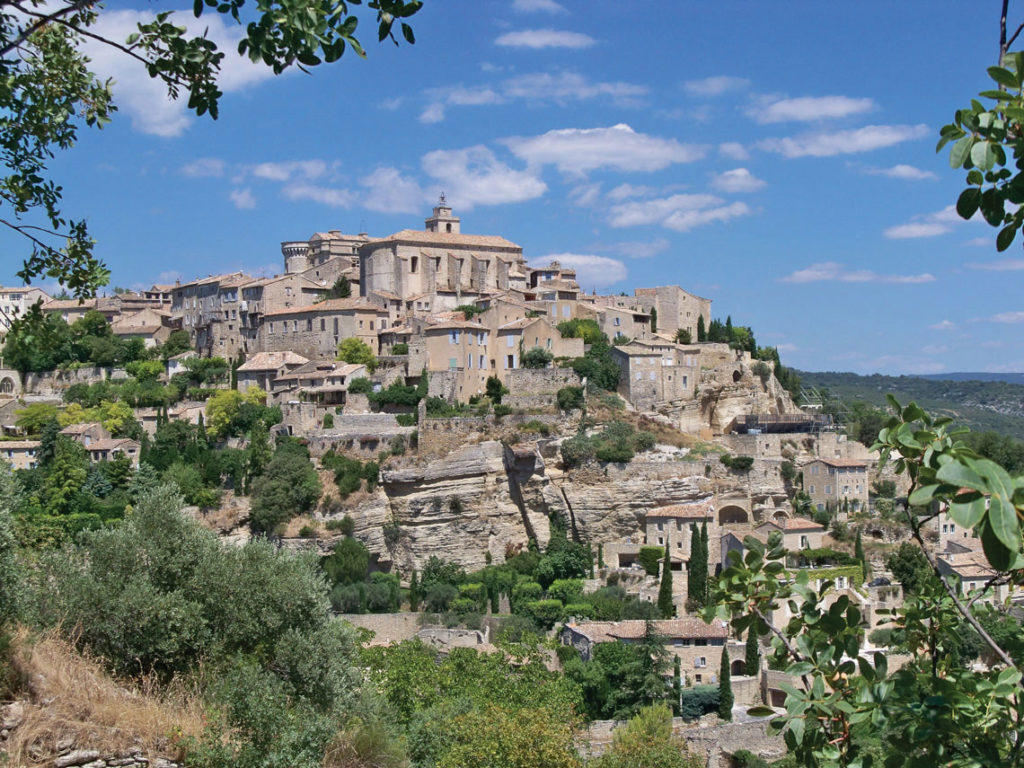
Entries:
{"x":72,"y":700}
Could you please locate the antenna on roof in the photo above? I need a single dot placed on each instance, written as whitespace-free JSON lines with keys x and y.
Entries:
{"x":443,"y":199}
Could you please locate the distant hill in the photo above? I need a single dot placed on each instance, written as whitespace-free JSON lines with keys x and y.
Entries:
{"x":1009,"y":378}
{"x":995,"y":404}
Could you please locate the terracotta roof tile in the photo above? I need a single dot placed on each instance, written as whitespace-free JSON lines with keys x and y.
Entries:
{"x":699,"y":510}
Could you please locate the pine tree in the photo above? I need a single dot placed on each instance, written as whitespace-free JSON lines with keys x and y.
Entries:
{"x":414,"y":593}
{"x":665,"y":604}
{"x":702,"y":332}
{"x":725,"y":698}
{"x":752,"y":661}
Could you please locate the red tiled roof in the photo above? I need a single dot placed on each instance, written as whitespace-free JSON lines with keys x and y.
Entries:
{"x":842,"y":462}
{"x":699,"y":510}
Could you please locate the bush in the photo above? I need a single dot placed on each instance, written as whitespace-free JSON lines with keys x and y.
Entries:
{"x":644,"y":441}
{"x":577,"y":450}
{"x":566,"y":590}
{"x":536,"y":358}
{"x":328,"y":421}
{"x":744,"y":758}
{"x":614,"y":452}
{"x":650,"y":559}
{"x":345,"y":526}
{"x":570,"y":398}
{"x":579,"y":611}
{"x":405,"y":420}
{"x":307,"y":532}
{"x":360,"y":386}
{"x":535,"y":425}
{"x":739,"y":463}
{"x":401,"y":348}
{"x":439,"y":596}
{"x":762,"y":370}
{"x":543,"y":612}
{"x":698,"y":701}
{"x":502,"y":410}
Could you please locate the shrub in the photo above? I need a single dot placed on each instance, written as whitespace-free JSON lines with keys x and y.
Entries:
{"x":698,"y":701}
{"x":401,"y":348}
{"x":742,"y":463}
{"x":543,"y":612}
{"x":307,"y":532}
{"x":762,"y":370}
{"x":328,"y":421}
{"x":566,"y":590}
{"x":570,"y":398}
{"x":535,"y":425}
{"x":579,"y":611}
{"x":439,"y":596}
{"x":650,"y":559}
{"x":502,"y":410}
{"x":577,"y":450}
{"x":404,"y":420}
{"x":644,"y":441}
{"x":360,"y":386}
{"x":345,"y":526}
{"x":536,"y":358}
{"x":614,"y":452}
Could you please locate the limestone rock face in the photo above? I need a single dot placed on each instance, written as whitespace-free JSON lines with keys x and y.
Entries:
{"x":732,"y":390}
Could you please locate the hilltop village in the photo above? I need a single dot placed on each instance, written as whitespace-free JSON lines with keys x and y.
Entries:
{"x":459,"y":408}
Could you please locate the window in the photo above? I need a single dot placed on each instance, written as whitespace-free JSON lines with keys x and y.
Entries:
{"x":700,"y":641}
{"x":414,"y":264}
{"x":814,"y":469}
{"x":469,"y":360}
{"x":323,"y":324}
{"x":618,"y":321}
{"x":335,"y":326}
{"x":700,"y":661}
{"x":812,"y":489}
{"x":309,"y":324}
{"x":828,"y":490}
{"x":804,"y":543}
{"x":661,"y":539}
{"x":652,"y":375}
{"x":511,"y":361}
{"x":481,"y":362}
{"x":452,"y":363}
{"x":566,"y":310}
{"x":660,"y":527}
{"x":549,"y":343}
{"x":271,"y":327}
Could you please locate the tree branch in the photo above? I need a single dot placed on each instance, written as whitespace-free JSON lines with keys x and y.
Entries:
{"x":43,"y":20}
{"x":797,"y":656}
{"x":964,"y":611}
{"x":1014,"y":37}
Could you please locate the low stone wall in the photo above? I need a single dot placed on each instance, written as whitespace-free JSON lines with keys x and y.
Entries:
{"x":439,"y":437}
{"x":709,"y":738}
{"x":53,"y":383}
{"x":387,"y":627}
{"x":538,"y":387}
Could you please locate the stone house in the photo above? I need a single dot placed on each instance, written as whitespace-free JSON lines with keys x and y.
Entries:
{"x":654,"y":373}
{"x":200,"y":306}
{"x":965,"y":560}
{"x":413,"y":262}
{"x":462,"y":348}
{"x":699,"y":646}
{"x":114,"y":448}
{"x":324,"y":382}
{"x":829,"y":480}
{"x":672,"y":525}
{"x":269,"y":294}
{"x":615,"y":321}
{"x":797,"y":532}
{"x":69,"y":309}
{"x":151,"y":325}
{"x":315,"y":331}
{"x":15,"y":302}
{"x":86,"y":433}
{"x":676,"y":308}
{"x":20,"y":454}
{"x":263,"y":368}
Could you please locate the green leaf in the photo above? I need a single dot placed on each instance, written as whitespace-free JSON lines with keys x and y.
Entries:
{"x":956,"y":473}
{"x":1005,"y":237}
{"x":995,"y":551}
{"x":960,"y":152}
{"x":1002,"y":517}
{"x":1004,"y":77}
{"x":968,"y":202}
{"x":968,"y":514}
{"x":760,"y":712}
{"x":410,"y":38}
{"x":975,"y":177}
{"x":982,"y":155}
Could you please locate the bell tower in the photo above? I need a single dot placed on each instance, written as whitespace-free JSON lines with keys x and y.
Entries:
{"x":442,"y":219}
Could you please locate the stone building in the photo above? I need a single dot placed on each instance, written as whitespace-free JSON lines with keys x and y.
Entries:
{"x":616,"y":322}
{"x":324,"y":382}
{"x":150,"y":325}
{"x":271,"y":294}
{"x":697,"y":645}
{"x":203,"y":305}
{"x":437,"y":259}
{"x":655,"y":373}
{"x":797,"y":532}
{"x":673,"y":525}
{"x":20,"y":454}
{"x":315,"y":331}
{"x":15,"y":302}
{"x":264,"y":367}
{"x":834,"y":481}
{"x":675,"y":307}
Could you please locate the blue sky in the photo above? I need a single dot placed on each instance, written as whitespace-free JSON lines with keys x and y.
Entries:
{"x":777,"y":158}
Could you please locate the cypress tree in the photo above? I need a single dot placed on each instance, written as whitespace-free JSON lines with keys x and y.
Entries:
{"x":495,"y":598}
{"x":665,"y":604}
{"x":752,"y":661}
{"x":725,"y":698}
{"x":728,"y":328}
{"x":677,"y":686}
{"x":697,"y":584}
{"x":702,"y":331}
{"x":860,"y":557}
{"x":414,"y":593}
{"x":654,"y":320}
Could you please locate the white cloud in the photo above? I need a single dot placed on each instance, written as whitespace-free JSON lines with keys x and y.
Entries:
{"x":904,"y":172}
{"x":733,"y":150}
{"x":684,"y":221}
{"x":585,"y":195}
{"x":925,"y":225}
{"x":565,"y":87}
{"x":715,"y":86}
{"x":305,"y":169}
{"x":678,"y":212}
{"x":543,"y":6}
{"x":579,"y":150}
{"x":737,"y":180}
{"x":388,"y":191}
{"x":432,"y":113}
{"x":832,"y":271}
{"x":943,"y":325}
{"x":145,"y":99}
{"x":978,"y":242}
{"x":656,"y":211}
{"x":829,"y":144}
{"x":545,"y":38}
{"x":335,"y":198}
{"x":1002,"y":265}
{"x":391,"y":104}
{"x":168,"y":276}
{"x":626,"y":191}
{"x":641,"y":250}
{"x":591,"y":271}
{"x":474,"y":176}
{"x":1008,"y":317}
{"x":204,"y":167}
{"x":771,"y":109}
{"x":243,"y":199}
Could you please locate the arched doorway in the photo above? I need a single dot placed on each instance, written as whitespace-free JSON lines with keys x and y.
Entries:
{"x":6,"y":386}
{"x":780,"y":515}
{"x":738,"y":668}
{"x":732,"y":515}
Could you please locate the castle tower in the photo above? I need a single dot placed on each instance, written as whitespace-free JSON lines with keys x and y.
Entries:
{"x":442,"y":220}
{"x":296,"y":256}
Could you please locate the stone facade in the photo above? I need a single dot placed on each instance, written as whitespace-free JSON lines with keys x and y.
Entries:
{"x":316,"y":331}
{"x":15,"y":302}
{"x":833,"y":481}
{"x":676,"y":308}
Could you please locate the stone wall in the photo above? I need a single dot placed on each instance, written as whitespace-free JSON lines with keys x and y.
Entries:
{"x":10,"y":382}
{"x":538,"y":387}
{"x":439,"y":437}
{"x":387,"y":627}
{"x":53,"y":383}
